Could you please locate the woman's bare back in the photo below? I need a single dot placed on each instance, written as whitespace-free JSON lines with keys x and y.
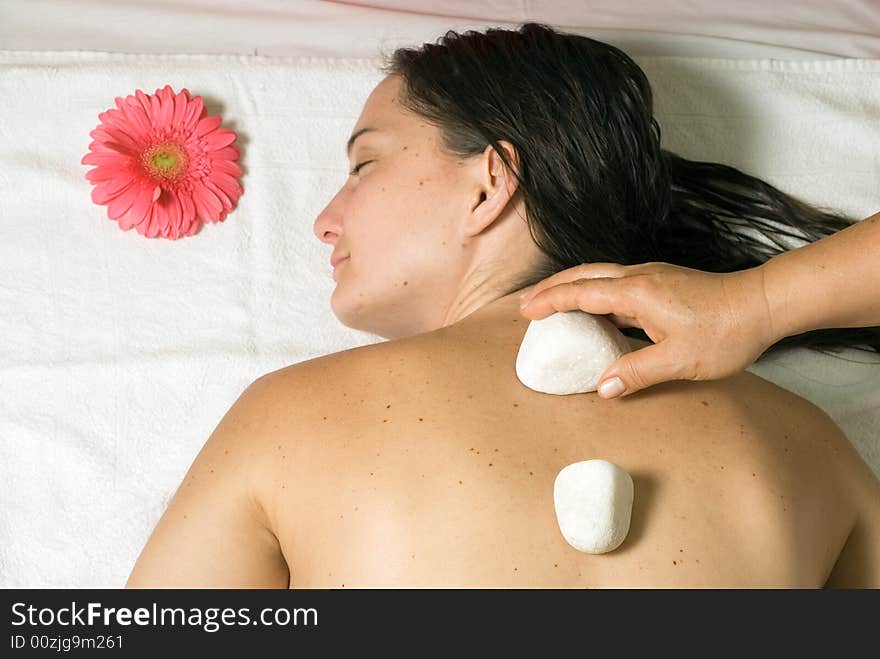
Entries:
{"x":426,"y":463}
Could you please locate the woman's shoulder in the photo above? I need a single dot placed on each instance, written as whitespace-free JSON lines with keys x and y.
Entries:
{"x":458,"y":374}
{"x":446,"y":358}
{"x":374,"y":362}
{"x":743,"y":417}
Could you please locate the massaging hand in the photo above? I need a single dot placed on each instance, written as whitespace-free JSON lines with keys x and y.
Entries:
{"x":704,"y":325}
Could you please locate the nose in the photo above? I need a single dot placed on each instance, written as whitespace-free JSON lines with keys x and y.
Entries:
{"x":328,"y":224}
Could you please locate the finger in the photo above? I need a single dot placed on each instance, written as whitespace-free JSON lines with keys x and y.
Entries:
{"x":623,"y":321}
{"x":597,"y":296}
{"x":643,"y":368}
{"x":583,"y":271}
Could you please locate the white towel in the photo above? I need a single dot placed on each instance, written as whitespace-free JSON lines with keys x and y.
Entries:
{"x":120,"y":354}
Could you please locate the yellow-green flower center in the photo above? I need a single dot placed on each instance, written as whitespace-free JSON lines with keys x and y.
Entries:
{"x":167,"y":160}
{"x":164,"y":161}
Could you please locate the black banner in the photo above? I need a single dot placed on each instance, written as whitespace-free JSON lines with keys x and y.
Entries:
{"x":126,"y":622}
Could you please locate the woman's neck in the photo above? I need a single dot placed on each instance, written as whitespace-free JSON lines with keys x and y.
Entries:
{"x":503,"y":316}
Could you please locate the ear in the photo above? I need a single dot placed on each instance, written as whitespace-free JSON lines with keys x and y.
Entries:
{"x":494,"y":187}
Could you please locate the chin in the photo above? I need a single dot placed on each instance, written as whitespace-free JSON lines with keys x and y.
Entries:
{"x":365,"y":314}
{"x":340,"y":309}
{"x":348,"y":313}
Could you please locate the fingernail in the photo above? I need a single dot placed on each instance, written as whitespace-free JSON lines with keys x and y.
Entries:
{"x":611,"y":388}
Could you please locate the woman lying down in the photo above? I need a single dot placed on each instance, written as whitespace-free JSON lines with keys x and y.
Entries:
{"x":481,"y":165}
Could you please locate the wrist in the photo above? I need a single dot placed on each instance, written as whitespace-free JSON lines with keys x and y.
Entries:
{"x":758,"y":306}
{"x":782,"y":319}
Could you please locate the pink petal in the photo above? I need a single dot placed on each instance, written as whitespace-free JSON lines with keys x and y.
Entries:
{"x":189,"y":211}
{"x":141,"y":226}
{"x":207,"y":202}
{"x":193,"y":113}
{"x":144,"y":224}
{"x":207,"y":124}
{"x":175,"y":214}
{"x":155,"y":108}
{"x":103,"y":173}
{"x":106,"y":158}
{"x":105,"y":192}
{"x":121,"y":121}
{"x":159,"y":221}
{"x":222,"y":196}
{"x":113,"y":117}
{"x":123,"y":139}
{"x":225,"y":166}
{"x":138,"y":119}
{"x":166,"y":106}
{"x":218,"y":139}
{"x":111,"y":148}
{"x":122,"y":203}
{"x":99,"y":135}
{"x":153,"y":223}
{"x":139,"y":209}
{"x":228,"y":184}
{"x":180,"y":102}
{"x":101,"y":138}
{"x":144,"y":102}
{"x":226,"y":153}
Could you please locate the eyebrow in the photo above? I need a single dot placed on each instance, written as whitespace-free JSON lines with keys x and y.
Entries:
{"x":354,"y":137}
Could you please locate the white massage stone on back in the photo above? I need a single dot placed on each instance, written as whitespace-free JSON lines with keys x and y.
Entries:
{"x":593,"y":501}
{"x":567,"y":352}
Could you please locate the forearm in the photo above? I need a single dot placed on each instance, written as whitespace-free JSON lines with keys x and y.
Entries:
{"x":833,"y":282}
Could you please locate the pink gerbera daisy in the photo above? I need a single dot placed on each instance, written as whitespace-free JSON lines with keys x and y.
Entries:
{"x":161,"y":164}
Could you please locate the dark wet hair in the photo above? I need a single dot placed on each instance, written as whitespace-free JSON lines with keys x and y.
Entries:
{"x":596,"y":185}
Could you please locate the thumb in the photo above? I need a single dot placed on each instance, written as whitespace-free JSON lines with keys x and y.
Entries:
{"x":637,"y":370}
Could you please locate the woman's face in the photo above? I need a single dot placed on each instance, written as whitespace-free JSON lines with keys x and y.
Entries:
{"x":402,"y":221}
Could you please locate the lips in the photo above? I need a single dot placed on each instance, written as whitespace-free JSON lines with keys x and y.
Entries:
{"x":337,"y":259}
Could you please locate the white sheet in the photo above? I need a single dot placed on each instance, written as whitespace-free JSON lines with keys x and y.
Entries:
{"x":121,"y":354}
{"x":786,"y":29}
{"x":849,"y":28}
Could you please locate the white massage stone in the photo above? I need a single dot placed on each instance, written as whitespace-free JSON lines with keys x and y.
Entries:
{"x":567,"y":352}
{"x":593,"y":501}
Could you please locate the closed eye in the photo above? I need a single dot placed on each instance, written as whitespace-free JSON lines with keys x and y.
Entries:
{"x":357,"y":168}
